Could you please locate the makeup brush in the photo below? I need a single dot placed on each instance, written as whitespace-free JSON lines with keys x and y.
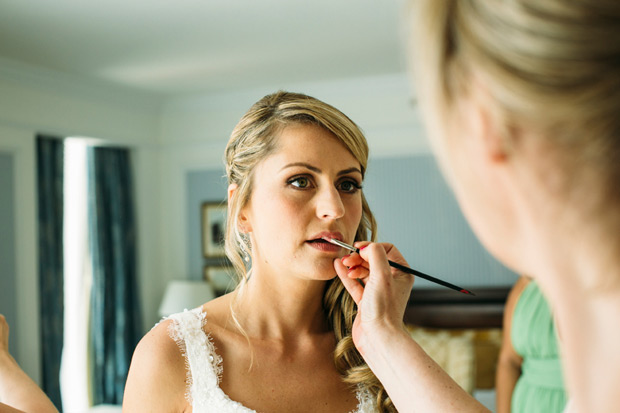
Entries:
{"x":403,"y":268}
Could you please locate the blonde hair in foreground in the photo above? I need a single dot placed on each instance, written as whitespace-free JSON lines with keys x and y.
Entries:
{"x":252,"y":140}
{"x":552,"y":66}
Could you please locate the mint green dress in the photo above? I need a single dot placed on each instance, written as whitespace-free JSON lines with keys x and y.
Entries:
{"x":540,"y":387}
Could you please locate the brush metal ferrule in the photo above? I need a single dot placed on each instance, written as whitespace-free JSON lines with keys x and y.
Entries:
{"x":342,"y":244}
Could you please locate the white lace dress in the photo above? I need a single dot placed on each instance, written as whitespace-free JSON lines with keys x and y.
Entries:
{"x":204,"y":367}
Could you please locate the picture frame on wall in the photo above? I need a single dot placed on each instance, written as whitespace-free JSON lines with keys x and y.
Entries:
{"x":220,"y":277}
{"x":213,"y":229}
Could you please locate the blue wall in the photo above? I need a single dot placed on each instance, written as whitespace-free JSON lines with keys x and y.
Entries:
{"x":8,"y":306}
{"x":202,"y":186}
{"x":415,"y":210}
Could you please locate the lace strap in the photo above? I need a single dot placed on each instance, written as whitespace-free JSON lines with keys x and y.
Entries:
{"x":203,"y":364}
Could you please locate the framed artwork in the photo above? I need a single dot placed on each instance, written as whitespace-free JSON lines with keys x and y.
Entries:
{"x":221,"y":278}
{"x":213,"y":229}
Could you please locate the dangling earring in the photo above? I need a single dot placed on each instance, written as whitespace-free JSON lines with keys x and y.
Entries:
{"x":245,"y":239}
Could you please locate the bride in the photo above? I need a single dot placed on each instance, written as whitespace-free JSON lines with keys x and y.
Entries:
{"x":281,"y":342}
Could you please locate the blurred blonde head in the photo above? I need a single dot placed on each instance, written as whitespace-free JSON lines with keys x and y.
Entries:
{"x":548,"y":68}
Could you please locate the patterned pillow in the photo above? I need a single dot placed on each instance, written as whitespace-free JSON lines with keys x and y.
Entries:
{"x":452,"y":350}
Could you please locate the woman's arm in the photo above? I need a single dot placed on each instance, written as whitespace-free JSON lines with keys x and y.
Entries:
{"x":17,"y":390}
{"x":157,"y":379}
{"x":413,"y":380}
{"x":509,"y":362}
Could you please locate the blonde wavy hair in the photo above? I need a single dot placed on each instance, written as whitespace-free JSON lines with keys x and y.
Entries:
{"x":252,"y":140}
{"x":552,"y":66}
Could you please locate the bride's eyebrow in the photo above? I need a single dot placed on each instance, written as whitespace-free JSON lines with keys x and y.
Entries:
{"x":348,"y":171}
{"x":305,"y":165}
{"x":317,"y":170}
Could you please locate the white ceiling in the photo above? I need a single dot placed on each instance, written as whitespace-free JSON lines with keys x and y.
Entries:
{"x":173,"y":47}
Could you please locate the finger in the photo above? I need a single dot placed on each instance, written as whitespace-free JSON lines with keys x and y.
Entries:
{"x":361,"y":244}
{"x":358,"y":272}
{"x":377,"y":262}
{"x":393,"y":254}
{"x":354,"y":260}
{"x":352,"y":285}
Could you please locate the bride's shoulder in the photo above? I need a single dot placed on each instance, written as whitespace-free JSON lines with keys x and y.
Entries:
{"x":157,"y":369}
{"x":213,"y":319}
{"x":158,"y":348}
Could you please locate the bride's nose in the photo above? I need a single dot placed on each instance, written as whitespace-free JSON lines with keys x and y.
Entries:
{"x":329,"y":203}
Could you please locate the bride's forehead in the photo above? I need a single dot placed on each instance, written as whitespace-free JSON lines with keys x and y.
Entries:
{"x":307,"y":143}
{"x":319,"y":153}
{"x":303,"y":132}
{"x":311,"y":140}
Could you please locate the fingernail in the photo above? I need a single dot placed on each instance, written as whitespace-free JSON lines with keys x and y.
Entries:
{"x":364,"y":246}
{"x":352,"y":268}
{"x":346,"y":256}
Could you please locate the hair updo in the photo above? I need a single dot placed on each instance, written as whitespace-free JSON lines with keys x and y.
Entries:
{"x":552,"y":66}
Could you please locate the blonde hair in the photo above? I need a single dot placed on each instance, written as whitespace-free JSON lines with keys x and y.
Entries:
{"x":553,"y":65}
{"x":252,"y":140}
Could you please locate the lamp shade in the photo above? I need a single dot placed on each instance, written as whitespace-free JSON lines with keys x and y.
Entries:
{"x":181,"y":295}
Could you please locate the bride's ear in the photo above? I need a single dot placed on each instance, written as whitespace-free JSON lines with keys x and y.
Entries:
{"x":243,"y":223}
{"x":232,"y":188}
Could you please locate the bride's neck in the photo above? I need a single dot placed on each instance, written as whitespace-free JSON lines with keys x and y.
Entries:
{"x":284,"y":309}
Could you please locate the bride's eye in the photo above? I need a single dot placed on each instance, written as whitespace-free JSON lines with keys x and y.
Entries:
{"x":300,"y":182}
{"x":349,"y":186}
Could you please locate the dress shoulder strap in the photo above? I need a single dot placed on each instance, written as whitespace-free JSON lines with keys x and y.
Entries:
{"x":203,"y":364}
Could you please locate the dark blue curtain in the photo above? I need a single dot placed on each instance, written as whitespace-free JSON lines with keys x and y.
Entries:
{"x":50,"y":154}
{"x":115,"y":317}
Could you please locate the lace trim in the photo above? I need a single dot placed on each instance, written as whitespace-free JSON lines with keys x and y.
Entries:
{"x":176,"y":336}
{"x":198,"y":351}
{"x":204,"y":368}
{"x":365,"y":401}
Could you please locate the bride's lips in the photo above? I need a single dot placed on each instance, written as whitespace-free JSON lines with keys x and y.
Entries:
{"x":317,"y":241}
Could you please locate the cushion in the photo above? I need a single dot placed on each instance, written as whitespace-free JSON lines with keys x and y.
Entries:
{"x":452,"y":350}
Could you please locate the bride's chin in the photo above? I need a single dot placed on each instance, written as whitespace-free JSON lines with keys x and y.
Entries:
{"x":327,"y":277}
{"x":325,"y":272}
